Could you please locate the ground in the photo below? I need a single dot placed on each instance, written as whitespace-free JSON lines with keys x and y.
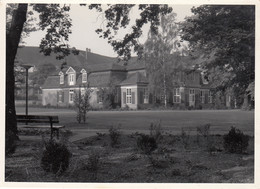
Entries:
{"x":178,"y":159}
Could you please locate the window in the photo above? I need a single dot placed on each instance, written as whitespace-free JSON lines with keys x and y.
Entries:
{"x":61,"y":78}
{"x":84,"y":77}
{"x":128,"y":96}
{"x":71,"y":79}
{"x":192,"y":95}
{"x":210,"y":97}
{"x":202,"y":96}
{"x":176,"y":95}
{"x":146,"y":96}
{"x":71,"y":96}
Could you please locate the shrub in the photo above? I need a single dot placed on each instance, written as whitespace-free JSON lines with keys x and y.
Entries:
{"x":156,"y":131}
{"x":235,"y":141}
{"x":185,"y":137}
{"x":114,"y":134}
{"x":146,"y":143}
{"x":55,"y":157}
{"x":93,"y":162}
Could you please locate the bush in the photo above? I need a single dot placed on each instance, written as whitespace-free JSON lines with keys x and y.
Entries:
{"x":235,"y":141}
{"x":55,"y":157}
{"x":93,"y":162}
{"x":146,"y":143}
{"x":156,"y":131}
{"x":114,"y":134}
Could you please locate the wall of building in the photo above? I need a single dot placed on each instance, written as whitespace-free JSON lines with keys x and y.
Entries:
{"x":134,"y":92}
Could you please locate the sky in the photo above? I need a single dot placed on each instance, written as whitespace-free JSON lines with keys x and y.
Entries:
{"x":86,"y":21}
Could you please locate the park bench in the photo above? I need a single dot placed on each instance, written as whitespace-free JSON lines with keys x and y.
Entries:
{"x":40,"y":119}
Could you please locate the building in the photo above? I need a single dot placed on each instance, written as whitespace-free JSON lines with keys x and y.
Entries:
{"x":130,"y":81}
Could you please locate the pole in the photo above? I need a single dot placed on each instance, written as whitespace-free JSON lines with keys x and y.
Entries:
{"x":26,"y":108}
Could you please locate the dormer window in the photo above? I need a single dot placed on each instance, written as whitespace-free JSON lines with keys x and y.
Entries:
{"x":84,"y":76}
{"x":61,"y":78}
{"x":71,"y":76}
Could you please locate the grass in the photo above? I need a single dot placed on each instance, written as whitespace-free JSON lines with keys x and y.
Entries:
{"x":172,"y":121}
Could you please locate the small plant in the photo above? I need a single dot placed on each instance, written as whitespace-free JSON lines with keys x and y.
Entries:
{"x":156,"y":131}
{"x":93,"y":161}
{"x":185,"y":138}
{"x":235,"y":141}
{"x":146,"y":143}
{"x":203,"y":130}
{"x":114,"y":134}
{"x":55,"y":157}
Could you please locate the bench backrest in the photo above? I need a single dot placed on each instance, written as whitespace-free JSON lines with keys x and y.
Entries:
{"x":37,"y":119}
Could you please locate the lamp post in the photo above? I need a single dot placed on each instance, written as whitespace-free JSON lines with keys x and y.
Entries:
{"x":26,"y":67}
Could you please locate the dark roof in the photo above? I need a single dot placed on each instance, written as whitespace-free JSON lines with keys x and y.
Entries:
{"x":101,"y":79}
{"x":135,"y":78}
{"x":51,"y":82}
{"x":105,"y":67}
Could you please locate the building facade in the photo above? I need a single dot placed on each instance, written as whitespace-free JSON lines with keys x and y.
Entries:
{"x":130,"y":82}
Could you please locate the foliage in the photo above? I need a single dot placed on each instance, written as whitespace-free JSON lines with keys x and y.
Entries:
{"x":114,"y":133}
{"x":146,"y":143}
{"x":162,"y":54}
{"x":43,"y":71}
{"x":93,"y":162}
{"x":223,"y":38}
{"x":204,"y":130}
{"x":55,"y":157}
{"x":156,"y":131}
{"x":117,"y":16}
{"x":235,"y":141}
{"x":81,"y":104}
{"x":185,"y":138}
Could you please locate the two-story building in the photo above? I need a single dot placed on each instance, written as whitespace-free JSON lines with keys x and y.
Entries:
{"x":190,"y":88}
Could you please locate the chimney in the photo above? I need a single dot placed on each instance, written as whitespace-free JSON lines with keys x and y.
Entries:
{"x":87,"y":51}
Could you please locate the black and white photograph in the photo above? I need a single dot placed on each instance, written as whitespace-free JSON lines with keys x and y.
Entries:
{"x":129,"y":93}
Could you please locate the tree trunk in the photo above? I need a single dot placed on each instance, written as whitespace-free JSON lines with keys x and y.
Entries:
{"x":12,"y":41}
{"x":164,"y":90}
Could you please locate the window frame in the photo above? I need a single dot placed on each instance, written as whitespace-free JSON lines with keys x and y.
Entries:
{"x":177,"y":95}
{"x":210,"y":97}
{"x":71,"y":95}
{"x":192,"y":95}
{"x":146,"y":95}
{"x":128,"y":95}
{"x":202,"y":96}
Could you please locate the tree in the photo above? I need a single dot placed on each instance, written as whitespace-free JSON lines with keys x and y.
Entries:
{"x":81,"y":103}
{"x":224,"y":38}
{"x":42,"y":72}
{"x":162,"y":51}
{"x":54,"y":18}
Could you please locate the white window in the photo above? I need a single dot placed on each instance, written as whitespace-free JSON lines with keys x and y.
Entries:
{"x":176,"y":95}
{"x":71,"y":96}
{"x":71,"y":79}
{"x":146,"y":96}
{"x":202,"y":96}
{"x":84,"y":77}
{"x":192,"y":95}
{"x":210,"y":97}
{"x":128,"y":96}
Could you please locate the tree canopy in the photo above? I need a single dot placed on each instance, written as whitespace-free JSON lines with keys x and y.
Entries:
{"x":223,"y":36}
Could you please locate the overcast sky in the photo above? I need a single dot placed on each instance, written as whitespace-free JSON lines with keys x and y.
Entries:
{"x":86,"y":21}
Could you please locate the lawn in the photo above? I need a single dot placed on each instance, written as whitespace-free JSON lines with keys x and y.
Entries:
{"x":171,"y":121}
{"x":181,"y":155}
